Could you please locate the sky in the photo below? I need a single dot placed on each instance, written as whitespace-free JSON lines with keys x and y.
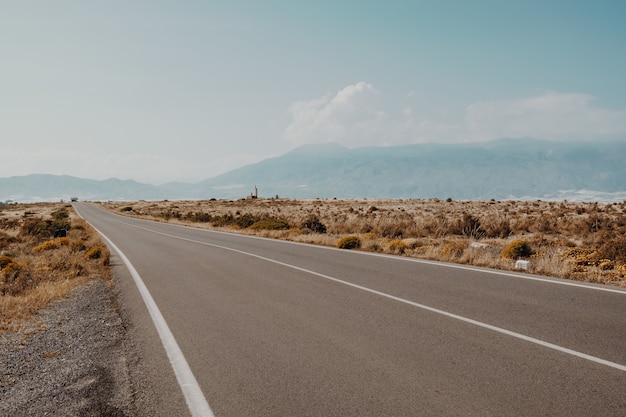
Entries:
{"x":161,"y":90}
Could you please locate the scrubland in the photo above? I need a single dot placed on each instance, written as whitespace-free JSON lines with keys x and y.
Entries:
{"x":572,"y":240}
{"x":35,"y":266}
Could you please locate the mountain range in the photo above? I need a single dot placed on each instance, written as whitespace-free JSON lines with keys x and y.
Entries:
{"x":501,"y":169}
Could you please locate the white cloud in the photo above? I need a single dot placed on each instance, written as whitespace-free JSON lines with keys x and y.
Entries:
{"x":351,"y":117}
{"x":559,"y":116}
{"x":355,"y":116}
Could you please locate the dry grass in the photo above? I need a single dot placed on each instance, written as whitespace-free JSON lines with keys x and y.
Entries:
{"x":38,"y":268}
{"x":580,"y":241}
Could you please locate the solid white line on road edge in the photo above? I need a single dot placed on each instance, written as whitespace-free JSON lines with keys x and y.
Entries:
{"x":414,"y":304}
{"x":197,"y":403}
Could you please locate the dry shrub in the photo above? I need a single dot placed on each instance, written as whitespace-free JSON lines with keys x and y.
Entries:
{"x":52,"y":244}
{"x":314,"y":225}
{"x":79,"y":246}
{"x":33,"y":273}
{"x":5,"y":260}
{"x":44,"y":228}
{"x":469,"y":226}
{"x":198,"y":217}
{"x":614,"y":249}
{"x":37,"y":227}
{"x":436,"y":225}
{"x":517,"y":249}
{"x":497,"y":227}
{"x":397,"y":246}
{"x":580,"y":256}
{"x":394,"y":230}
{"x":349,"y":242}
{"x":99,"y":252}
{"x":606,"y":264}
{"x":453,"y":249}
{"x":14,"y":279}
{"x":6,"y":240}
{"x":247,"y":220}
{"x":548,"y":227}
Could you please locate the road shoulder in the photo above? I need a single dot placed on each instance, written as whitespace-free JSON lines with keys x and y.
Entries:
{"x":69,"y":360}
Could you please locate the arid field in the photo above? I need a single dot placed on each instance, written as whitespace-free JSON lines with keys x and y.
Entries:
{"x":572,"y":240}
{"x":35,"y":266}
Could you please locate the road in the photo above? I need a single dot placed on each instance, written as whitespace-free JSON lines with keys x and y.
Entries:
{"x":272,"y":328}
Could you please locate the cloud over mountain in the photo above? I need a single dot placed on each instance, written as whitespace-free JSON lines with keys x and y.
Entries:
{"x":557,"y":116}
{"x":359,"y":115}
{"x":351,"y":117}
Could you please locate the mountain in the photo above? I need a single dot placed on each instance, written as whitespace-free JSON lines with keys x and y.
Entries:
{"x":502,"y":169}
{"x":44,"y":187}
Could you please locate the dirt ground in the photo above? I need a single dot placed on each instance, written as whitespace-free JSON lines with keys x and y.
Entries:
{"x":69,"y":360}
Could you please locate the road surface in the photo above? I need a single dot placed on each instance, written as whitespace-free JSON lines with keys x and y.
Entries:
{"x":258,"y":327}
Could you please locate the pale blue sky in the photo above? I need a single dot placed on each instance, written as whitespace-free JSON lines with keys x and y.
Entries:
{"x":183,"y":90}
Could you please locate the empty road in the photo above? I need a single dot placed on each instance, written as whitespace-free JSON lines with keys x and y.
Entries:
{"x":256,"y":327}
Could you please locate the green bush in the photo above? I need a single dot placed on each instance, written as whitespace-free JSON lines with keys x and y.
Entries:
{"x":273,"y":224}
{"x":349,"y":242}
{"x":518,"y":248}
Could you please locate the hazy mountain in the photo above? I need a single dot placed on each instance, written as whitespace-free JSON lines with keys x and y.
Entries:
{"x":521,"y":168}
{"x":44,"y":187}
{"x":498,"y":169}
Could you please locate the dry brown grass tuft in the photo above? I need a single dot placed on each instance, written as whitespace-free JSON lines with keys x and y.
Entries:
{"x":472,"y":232}
{"x":52,"y":244}
{"x":38,"y":268}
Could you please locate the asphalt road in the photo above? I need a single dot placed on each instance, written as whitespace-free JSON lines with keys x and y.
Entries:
{"x":272,"y":328}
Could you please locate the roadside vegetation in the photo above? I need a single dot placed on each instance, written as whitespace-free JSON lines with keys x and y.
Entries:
{"x":572,"y":240}
{"x":35,"y":266}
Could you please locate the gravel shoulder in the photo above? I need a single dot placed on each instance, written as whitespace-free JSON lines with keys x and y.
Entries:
{"x":72,"y":359}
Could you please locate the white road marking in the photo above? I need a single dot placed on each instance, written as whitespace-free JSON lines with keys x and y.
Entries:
{"x":196,"y":402}
{"x":411,"y":303}
{"x":556,"y":281}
